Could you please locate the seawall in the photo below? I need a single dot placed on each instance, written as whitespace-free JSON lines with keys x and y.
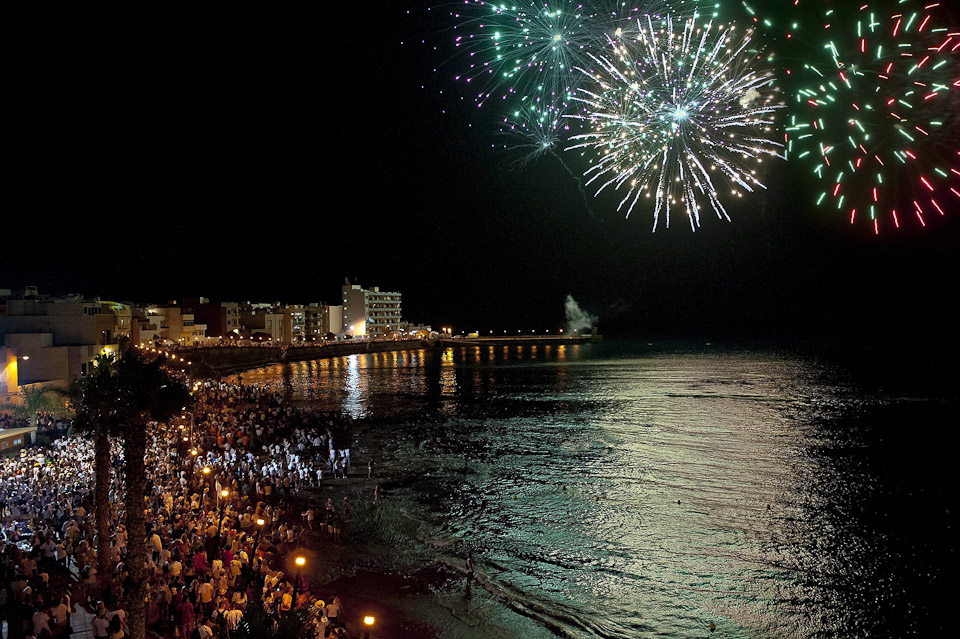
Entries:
{"x":220,"y":360}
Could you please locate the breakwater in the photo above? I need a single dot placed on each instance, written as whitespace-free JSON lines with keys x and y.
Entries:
{"x":219,"y":360}
{"x":519,"y":340}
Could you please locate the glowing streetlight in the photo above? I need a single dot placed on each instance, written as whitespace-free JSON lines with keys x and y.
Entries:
{"x":223,"y":507}
{"x":300,"y":561}
{"x":256,"y":542}
{"x":206,"y":473}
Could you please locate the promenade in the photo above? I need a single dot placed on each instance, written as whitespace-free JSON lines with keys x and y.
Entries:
{"x":236,"y":357}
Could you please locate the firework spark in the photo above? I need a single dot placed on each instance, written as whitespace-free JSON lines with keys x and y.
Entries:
{"x":524,"y":54}
{"x":525,"y":51}
{"x":674,"y":111}
{"x":533,"y":132}
{"x":879,"y":121}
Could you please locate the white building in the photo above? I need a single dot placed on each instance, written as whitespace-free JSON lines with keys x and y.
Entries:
{"x":370,"y":312}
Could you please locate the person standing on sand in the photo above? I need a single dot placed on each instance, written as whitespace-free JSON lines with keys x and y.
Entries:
{"x":335,"y":611}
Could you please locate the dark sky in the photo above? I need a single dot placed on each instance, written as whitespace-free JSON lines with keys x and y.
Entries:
{"x":264,"y":155}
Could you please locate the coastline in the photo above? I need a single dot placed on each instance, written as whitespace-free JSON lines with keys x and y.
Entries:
{"x":389,"y":564}
{"x":347,"y":568}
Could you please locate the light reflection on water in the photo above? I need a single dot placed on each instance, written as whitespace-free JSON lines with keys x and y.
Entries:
{"x":609,"y":495}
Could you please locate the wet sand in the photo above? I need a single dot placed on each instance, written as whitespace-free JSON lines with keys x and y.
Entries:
{"x":345,"y":568}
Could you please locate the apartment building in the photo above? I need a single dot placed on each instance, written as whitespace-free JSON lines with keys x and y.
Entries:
{"x":370,"y":312}
{"x":56,"y":339}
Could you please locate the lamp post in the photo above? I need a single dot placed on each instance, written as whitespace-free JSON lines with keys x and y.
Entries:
{"x":256,"y":542}
{"x":300,"y":561}
{"x":368,"y":622}
{"x":224,"y":494}
{"x":203,"y":490}
{"x":183,"y":457}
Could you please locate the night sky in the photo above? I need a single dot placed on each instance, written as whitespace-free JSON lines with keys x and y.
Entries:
{"x":261,"y":155}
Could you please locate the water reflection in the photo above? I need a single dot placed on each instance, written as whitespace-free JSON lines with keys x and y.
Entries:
{"x":613,"y":496}
{"x":354,"y":403}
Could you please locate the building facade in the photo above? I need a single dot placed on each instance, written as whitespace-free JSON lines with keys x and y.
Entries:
{"x":9,"y":378}
{"x":167,"y":324}
{"x":371,"y":312}
{"x":56,"y":339}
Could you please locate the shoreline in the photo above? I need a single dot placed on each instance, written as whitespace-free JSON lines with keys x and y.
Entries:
{"x":344,"y":567}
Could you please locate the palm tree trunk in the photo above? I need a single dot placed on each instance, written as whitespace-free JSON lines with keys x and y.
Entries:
{"x":101,"y":500}
{"x":135,"y":438}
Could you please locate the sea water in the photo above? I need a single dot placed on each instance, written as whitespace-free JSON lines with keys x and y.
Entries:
{"x":626,"y":490}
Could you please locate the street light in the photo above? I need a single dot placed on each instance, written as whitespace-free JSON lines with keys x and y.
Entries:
{"x":183,"y":455}
{"x":256,"y":541}
{"x":368,"y":621}
{"x":223,"y":493}
{"x":300,"y":561}
{"x":203,"y":490}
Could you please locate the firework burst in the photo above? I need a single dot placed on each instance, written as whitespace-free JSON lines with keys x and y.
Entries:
{"x":533,"y":132}
{"x":879,"y":120}
{"x":525,"y":51}
{"x":677,"y":115}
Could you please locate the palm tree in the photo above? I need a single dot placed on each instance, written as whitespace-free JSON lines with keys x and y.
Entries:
{"x":96,"y":400}
{"x":148,"y":393}
{"x":35,"y":399}
{"x":121,"y":397}
{"x":256,"y":623}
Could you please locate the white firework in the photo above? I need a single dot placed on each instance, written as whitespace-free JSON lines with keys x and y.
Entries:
{"x":672,"y":112}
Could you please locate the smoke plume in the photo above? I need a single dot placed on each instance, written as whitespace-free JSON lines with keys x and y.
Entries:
{"x":749,"y":97}
{"x":577,"y":318}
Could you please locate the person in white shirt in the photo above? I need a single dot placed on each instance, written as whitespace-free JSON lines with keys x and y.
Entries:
{"x":239,"y":600}
{"x":205,"y":631}
{"x":100,"y":626}
{"x":41,"y":622}
{"x":232,"y":617}
{"x":49,"y":550}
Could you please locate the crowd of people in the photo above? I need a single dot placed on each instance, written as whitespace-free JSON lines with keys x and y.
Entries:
{"x":46,"y":423}
{"x":221,"y":519}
